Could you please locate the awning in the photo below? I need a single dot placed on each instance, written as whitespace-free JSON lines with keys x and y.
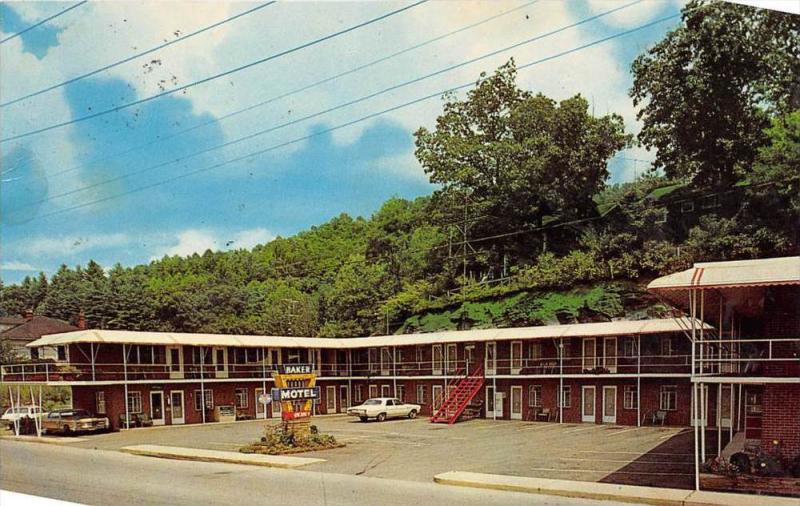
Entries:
{"x":738,"y":273}
{"x":614,"y":328}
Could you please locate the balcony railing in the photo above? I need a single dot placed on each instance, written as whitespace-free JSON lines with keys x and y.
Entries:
{"x":778,"y":357}
{"x":545,"y":366}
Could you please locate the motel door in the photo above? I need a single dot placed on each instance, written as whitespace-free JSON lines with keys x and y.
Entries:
{"x":330,"y":399}
{"x":176,"y":404}
{"x":516,"y":403}
{"x":725,"y":404}
{"x":609,"y":404}
{"x":494,"y":403}
{"x":157,"y":407}
{"x":175,"y":362}
{"x":261,"y":408}
{"x":344,"y":398}
{"x":588,"y":394}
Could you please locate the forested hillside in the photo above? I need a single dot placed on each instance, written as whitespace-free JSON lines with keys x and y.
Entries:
{"x":523,"y":228}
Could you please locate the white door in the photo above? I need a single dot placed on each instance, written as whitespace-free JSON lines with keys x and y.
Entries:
{"x":451,"y":358}
{"x":386,"y":361}
{"x":609,"y":404}
{"x":516,"y":403}
{"x":610,"y":354}
{"x":177,"y":407}
{"x":491,"y":358}
{"x":174,"y":358}
{"x":588,"y":395}
{"x":589,"y":353}
{"x":261,"y":408}
{"x":330,"y":399}
{"x":436,"y":353}
{"x":344,"y":397}
{"x":385,"y":391}
{"x":219,"y":357}
{"x":436,"y":399}
{"x":516,"y":357}
{"x":157,"y":407}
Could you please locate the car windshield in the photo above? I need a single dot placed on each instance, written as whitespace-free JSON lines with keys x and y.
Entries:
{"x":372,"y":402}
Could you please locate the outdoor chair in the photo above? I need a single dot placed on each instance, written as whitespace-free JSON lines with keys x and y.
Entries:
{"x":659,"y":417}
{"x":543,"y":415}
{"x":145,"y":420}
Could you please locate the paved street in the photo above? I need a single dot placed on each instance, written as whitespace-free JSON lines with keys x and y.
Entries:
{"x":417,"y":450}
{"x":109,"y":477}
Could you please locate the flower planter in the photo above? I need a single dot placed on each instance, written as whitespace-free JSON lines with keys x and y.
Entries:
{"x":751,"y":484}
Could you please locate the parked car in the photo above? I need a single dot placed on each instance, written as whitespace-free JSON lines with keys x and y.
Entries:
{"x":381,"y":408}
{"x":13,"y":414}
{"x":73,"y":421}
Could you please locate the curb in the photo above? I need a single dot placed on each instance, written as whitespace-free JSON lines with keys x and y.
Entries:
{"x":199,"y":455}
{"x":608,"y":491}
{"x":61,"y":441}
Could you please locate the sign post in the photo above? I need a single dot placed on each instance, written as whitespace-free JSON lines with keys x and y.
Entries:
{"x":296,"y":390}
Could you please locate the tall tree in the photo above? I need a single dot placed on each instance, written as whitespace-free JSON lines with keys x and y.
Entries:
{"x":517,"y":157}
{"x":707,"y":89}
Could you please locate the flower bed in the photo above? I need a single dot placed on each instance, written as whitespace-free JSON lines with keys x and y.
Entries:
{"x":278,"y":440}
{"x":750,"y":484}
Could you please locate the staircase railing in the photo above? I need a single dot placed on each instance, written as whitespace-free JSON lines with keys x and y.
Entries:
{"x":460,"y":396}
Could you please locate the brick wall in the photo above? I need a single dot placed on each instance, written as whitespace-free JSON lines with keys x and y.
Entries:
{"x":781,"y":419}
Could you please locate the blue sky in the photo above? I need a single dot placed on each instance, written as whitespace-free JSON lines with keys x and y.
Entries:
{"x":69,"y":195}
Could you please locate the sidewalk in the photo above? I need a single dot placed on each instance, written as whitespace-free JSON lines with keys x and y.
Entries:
{"x":608,"y":491}
{"x":174,"y":452}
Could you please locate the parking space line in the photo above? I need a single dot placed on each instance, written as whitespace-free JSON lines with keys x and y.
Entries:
{"x":572,"y":431}
{"x":614,"y":471}
{"x":624,"y":431}
{"x":636,"y":453}
{"x":575,"y":459}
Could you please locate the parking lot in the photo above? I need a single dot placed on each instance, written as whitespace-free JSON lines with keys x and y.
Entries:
{"x":417,"y":450}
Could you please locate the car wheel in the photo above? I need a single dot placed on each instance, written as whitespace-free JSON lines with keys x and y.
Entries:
{"x":381,"y":417}
{"x":413,"y":414}
{"x":363,"y":418}
{"x":66,"y":430}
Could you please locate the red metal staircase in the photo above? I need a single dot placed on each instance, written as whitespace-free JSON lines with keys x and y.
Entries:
{"x":462,"y":391}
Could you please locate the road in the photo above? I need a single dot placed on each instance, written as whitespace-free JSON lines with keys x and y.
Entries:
{"x":107,"y":477}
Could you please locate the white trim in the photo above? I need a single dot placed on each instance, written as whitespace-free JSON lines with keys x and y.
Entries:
{"x":588,"y":417}
{"x":609,"y":418}
{"x":163,"y":419}
{"x":512,"y":414}
{"x":173,"y":419}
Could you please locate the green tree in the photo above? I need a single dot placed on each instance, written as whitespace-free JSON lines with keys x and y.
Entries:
{"x":706,"y":89}
{"x":516,"y":157}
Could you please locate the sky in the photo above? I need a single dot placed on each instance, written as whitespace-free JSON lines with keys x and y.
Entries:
{"x":177,"y":175}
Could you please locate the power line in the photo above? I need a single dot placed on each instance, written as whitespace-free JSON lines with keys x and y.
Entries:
{"x":137,"y":55}
{"x":331,"y":109}
{"x":216,"y":76}
{"x":349,"y":123}
{"x":45,"y":20}
{"x":297,"y":90}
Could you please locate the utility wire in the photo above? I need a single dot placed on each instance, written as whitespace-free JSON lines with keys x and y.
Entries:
{"x":331,"y":109}
{"x":45,"y":20}
{"x":137,"y":55}
{"x":215,"y":76}
{"x":349,"y":123}
{"x":295,"y":91}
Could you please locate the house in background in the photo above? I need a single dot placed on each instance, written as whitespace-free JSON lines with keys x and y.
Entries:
{"x":21,"y":330}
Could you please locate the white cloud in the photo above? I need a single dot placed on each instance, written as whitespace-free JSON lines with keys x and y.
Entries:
{"x":192,"y":241}
{"x":66,"y":245}
{"x":14,"y":265}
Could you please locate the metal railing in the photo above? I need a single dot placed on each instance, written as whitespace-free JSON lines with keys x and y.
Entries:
{"x":772,"y":357}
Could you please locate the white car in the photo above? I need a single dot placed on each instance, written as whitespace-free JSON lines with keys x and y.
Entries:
{"x":381,"y":408}
{"x":13,"y":414}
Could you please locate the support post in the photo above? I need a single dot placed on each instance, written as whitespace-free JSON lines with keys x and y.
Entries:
{"x":560,"y":396}
{"x":739,"y":410}
{"x":638,"y":380}
{"x":125,"y":377}
{"x":202,"y":384}
{"x":730,"y":435}
{"x":704,"y":421}
{"x":263,"y":380}
{"x":719,"y":419}
{"x":394,"y":369}
{"x":695,"y":400}
{"x":91,"y":350}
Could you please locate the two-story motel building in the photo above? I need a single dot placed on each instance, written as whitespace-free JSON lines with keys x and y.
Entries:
{"x":743,"y":319}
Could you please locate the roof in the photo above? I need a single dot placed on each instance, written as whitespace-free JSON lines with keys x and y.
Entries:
{"x":12,"y":320}
{"x":739,"y":273}
{"x":622,"y":327}
{"x":37,"y":327}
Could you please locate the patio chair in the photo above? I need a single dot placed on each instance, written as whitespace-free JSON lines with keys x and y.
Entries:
{"x":132,"y":421}
{"x":145,"y":420}
{"x":659,"y":417}
{"x":544,"y":415}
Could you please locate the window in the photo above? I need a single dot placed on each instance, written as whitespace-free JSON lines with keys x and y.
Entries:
{"x":710,"y":202}
{"x":135,"y":402}
{"x":661,"y":217}
{"x":198,"y":395}
{"x":669,"y":397}
{"x":566,"y":397}
{"x":687,"y":207}
{"x":34,"y":353}
{"x":535,"y":396}
{"x":100,"y":403}
{"x":62,"y":353}
{"x":629,"y":347}
{"x":666,"y":346}
{"x":357,"y":393}
{"x":373,"y":391}
{"x":536,"y":351}
{"x":420,"y":394}
{"x":241,"y":398}
{"x":631,"y":399}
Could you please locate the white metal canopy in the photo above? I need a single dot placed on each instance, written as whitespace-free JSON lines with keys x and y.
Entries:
{"x":737,"y":273}
{"x":622,"y":327}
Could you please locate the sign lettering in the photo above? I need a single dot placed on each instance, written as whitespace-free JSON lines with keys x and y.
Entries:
{"x":295,"y":394}
{"x":295,"y":369}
